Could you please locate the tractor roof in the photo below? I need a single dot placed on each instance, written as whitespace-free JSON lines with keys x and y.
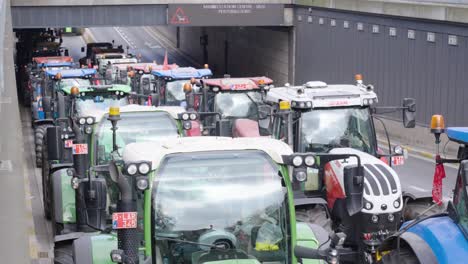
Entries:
{"x":144,"y":66}
{"x":72,"y":73}
{"x":121,"y":88}
{"x":173,"y":111}
{"x":238,"y":84}
{"x":458,"y":134}
{"x":52,"y":59}
{"x":156,"y":151}
{"x":182,"y":73}
{"x":320,"y":95}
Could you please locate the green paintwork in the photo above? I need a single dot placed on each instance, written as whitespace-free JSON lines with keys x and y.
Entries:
{"x":147,"y":215}
{"x":115,"y":87}
{"x":235,"y":261}
{"x":68,"y":199}
{"x":102,"y":245}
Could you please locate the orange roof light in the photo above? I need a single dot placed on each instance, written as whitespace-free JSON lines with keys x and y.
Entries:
{"x":187,"y":87}
{"x":193,"y":80}
{"x":131,"y":74}
{"x":437,"y":124}
{"x":114,"y":111}
{"x":74,"y":90}
{"x":358,"y":77}
{"x":58,"y":76}
{"x":206,"y":66}
{"x":261,"y":82}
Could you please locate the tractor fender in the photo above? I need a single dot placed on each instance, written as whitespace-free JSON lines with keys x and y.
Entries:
{"x":94,"y":248}
{"x":63,"y":198}
{"x":420,"y":248}
{"x":59,"y":166}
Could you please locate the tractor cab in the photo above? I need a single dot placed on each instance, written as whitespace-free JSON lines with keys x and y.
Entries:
{"x":238,"y":103}
{"x":91,"y":49}
{"x":49,"y":48}
{"x":170,"y":83}
{"x":106,"y":60}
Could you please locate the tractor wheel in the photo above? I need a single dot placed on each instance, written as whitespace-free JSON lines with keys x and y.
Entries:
{"x":405,"y":256}
{"x":45,"y":183}
{"x":415,"y":208}
{"x":39,"y":136}
{"x":63,"y":254}
{"x":314,"y":214}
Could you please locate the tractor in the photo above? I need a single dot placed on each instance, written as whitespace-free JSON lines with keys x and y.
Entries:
{"x":202,"y":200}
{"x":337,"y":119}
{"x":441,"y":237}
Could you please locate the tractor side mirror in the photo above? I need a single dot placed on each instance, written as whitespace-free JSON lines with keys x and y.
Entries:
{"x":409,"y":112}
{"x":82,"y":49}
{"x":54,"y":143}
{"x":264,"y":111}
{"x":354,"y":188}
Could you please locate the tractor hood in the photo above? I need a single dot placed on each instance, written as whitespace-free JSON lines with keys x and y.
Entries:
{"x":381,"y":183}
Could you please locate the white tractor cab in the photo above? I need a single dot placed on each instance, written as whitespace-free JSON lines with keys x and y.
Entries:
{"x":207,"y":200}
{"x":231,"y":106}
{"x":89,"y":142}
{"x":321,"y":118}
{"x":106,"y":60}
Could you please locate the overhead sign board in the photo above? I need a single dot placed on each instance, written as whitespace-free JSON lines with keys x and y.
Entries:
{"x":226,"y":15}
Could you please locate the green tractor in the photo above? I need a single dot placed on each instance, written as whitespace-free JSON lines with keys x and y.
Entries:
{"x":205,"y":199}
{"x":87,"y":144}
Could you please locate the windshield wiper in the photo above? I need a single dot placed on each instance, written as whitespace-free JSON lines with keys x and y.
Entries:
{"x":211,"y":246}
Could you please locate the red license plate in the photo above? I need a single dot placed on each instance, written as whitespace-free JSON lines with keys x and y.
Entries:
{"x":80,"y":149}
{"x":124,"y":220}
{"x":69,"y":143}
{"x":398,"y":160}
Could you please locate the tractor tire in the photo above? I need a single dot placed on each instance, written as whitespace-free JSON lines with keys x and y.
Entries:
{"x":39,"y":135}
{"x":405,"y":256}
{"x":46,"y":183}
{"x":415,"y":208}
{"x":314,"y":214}
{"x":63,"y":254}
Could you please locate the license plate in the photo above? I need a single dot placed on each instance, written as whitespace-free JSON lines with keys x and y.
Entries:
{"x":80,"y":149}
{"x":69,"y":143}
{"x":398,"y":160}
{"x":124,"y":220}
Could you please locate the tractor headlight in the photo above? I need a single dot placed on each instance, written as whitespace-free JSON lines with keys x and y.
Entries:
{"x":368,"y":205}
{"x":297,"y":161}
{"x":193,"y":116}
{"x":300,"y":175}
{"x":144,"y":168}
{"x":142,"y":183}
{"x":391,"y":217}
{"x":215,"y":89}
{"x":309,"y":161}
{"x":375,"y":219}
{"x":89,"y":120}
{"x":117,"y":255}
{"x":88,"y":130}
{"x":187,"y":125}
{"x":132,"y":169}
{"x":396,"y":203}
{"x":140,"y":72}
{"x":75,"y":183}
{"x":82,"y":121}
{"x":185,"y":116}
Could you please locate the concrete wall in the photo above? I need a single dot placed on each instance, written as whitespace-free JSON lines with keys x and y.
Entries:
{"x":251,"y":50}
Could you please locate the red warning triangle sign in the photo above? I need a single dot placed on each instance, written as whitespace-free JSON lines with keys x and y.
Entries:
{"x":179,"y":17}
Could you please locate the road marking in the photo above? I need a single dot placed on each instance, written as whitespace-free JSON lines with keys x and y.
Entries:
{"x":124,"y":37}
{"x":152,"y":46}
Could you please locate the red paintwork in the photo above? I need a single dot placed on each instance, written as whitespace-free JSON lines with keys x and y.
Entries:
{"x":55,"y":59}
{"x":144,"y":66}
{"x":194,"y":131}
{"x":237,"y":84}
{"x":384,"y":159}
{"x":334,"y":190}
{"x":245,"y":128}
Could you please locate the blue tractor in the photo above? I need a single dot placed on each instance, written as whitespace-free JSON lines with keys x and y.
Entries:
{"x":439,"y":238}
{"x":169,"y":84}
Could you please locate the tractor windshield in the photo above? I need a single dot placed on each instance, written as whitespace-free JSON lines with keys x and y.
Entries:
{"x":175,"y":92}
{"x":237,"y":104}
{"x":460,"y":199}
{"x":75,"y":82}
{"x":134,"y":127}
{"x":231,"y":199}
{"x":325,"y":129}
{"x":88,"y":103}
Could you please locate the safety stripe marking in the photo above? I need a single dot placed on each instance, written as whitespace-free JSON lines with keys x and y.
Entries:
{"x":372,"y":182}
{"x":380,"y":178}
{"x":390,"y":178}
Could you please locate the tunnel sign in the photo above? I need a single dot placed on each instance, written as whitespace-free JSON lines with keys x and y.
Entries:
{"x":226,"y":15}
